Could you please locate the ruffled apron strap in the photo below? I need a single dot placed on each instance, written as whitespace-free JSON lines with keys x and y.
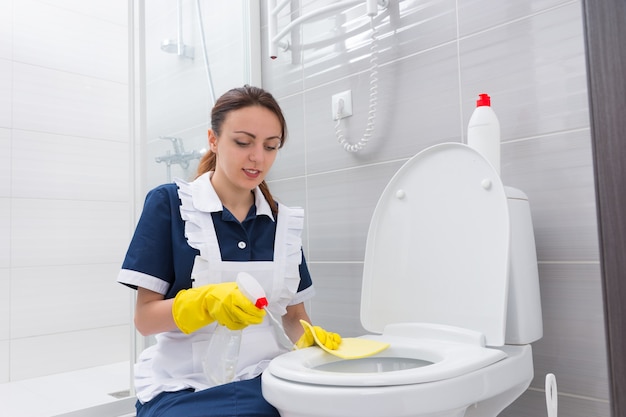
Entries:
{"x":287,"y":257}
{"x":199,"y":229}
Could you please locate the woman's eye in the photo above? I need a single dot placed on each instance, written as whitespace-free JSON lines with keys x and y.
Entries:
{"x":242,"y":144}
{"x":272,"y":145}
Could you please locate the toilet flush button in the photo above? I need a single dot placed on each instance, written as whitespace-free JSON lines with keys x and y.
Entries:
{"x":400,"y":194}
{"x":486,"y":183}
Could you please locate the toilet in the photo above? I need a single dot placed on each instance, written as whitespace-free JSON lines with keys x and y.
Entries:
{"x":450,"y":281}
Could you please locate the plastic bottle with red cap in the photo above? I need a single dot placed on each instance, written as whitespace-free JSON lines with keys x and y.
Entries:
{"x":222,"y":355}
{"x":483,"y":131}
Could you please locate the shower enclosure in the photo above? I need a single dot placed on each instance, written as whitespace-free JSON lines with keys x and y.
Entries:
{"x":192,"y":51}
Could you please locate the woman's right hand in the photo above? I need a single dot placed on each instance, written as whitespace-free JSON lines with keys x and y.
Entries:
{"x":225,"y":303}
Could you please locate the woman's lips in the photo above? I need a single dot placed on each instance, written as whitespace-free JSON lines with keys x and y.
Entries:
{"x":252,"y":173}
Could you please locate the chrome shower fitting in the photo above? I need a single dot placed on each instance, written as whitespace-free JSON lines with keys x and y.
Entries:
{"x":177,"y":46}
{"x":179,"y":157}
{"x":172,"y":46}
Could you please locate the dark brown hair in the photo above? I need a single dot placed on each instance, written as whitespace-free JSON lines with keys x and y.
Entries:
{"x":236,"y":99}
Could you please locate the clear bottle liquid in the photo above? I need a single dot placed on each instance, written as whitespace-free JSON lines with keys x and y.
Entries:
{"x":222,"y":355}
{"x":220,"y":360}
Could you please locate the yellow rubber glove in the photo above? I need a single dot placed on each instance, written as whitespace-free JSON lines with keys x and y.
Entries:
{"x":225,"y":303}
{"x":328,"y":339}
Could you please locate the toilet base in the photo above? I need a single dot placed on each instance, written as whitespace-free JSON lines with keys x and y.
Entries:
{"x":492,"y":407}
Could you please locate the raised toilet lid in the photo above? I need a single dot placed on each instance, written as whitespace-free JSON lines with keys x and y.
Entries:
{"x":437,"y":247}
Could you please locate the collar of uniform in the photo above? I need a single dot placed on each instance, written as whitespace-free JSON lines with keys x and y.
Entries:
{"x":262,"y":206}
{"x":206,"y":199}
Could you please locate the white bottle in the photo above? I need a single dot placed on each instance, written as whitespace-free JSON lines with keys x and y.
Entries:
{"x":483,"y":131}
{"x":220,"y":361}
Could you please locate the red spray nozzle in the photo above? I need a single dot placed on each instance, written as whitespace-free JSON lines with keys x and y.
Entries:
{"x":484,"y":100}
{"x":261,"y":303}
{"x":251,"y":288}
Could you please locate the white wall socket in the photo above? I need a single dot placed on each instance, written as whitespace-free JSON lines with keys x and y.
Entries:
{"x":342,"y":105}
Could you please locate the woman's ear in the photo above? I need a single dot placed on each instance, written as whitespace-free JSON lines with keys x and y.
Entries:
{"x":212,"y":141}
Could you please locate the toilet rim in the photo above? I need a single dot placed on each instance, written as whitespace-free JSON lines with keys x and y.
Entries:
{"x":448,"y":360}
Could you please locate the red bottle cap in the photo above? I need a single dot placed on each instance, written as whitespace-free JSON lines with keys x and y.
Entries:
{"x":261,"y":303}
{"x":484,"y":100}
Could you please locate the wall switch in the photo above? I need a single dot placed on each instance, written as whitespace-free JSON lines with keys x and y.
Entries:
{"x":342,"y":105}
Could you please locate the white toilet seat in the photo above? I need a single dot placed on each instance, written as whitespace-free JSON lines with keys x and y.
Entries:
{"x":426,"y":352}
{"x":438,"y":246}
{"x":509,"y":377}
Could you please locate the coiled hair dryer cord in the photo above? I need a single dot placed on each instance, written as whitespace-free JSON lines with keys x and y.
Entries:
{"x":371,"y":116}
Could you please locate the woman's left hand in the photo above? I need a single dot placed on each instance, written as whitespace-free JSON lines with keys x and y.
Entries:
{"x":328,"y":339}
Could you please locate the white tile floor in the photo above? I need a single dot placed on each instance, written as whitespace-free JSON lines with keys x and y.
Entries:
{"x":69,"y":394}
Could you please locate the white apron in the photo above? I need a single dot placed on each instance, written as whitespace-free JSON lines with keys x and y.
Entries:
{"x":175,"y":362}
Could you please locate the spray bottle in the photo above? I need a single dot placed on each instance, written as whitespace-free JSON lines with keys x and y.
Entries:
{"x":483,"y":131}
{"x":222,"y":355}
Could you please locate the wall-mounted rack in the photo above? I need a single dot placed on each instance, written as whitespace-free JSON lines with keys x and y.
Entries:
{"x":275,"y":37}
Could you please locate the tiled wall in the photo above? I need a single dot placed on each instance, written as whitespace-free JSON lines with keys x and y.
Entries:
{"x":65,"y":183}
{"x":65,"y":192}
{"x":435,"y":57}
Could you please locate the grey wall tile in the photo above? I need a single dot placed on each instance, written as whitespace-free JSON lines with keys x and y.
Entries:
{"x":61,"y":157}
{"x":533,"y":404}
{"x":89,"y":348}
{"x":291,"y":160}
{"x":556,"y":173}
{"x":5,"y":234}
{"x":293,"y":193}
{"x":67,"y":232}
{"x":411,"y":114}
{"x":6,"y":29}
{"x":336,"y":305}
{"x":477,"y":15}
{"x":53,"y":101}
{"x":6,"y":91}
{"x":101,"y":49}
{"x":5,"y":162}
{"x":534,"y":69}
{"x":340,"y":205}
{"x":69,"y":310}
{"x":5,"y":310}
{"x":573,"y":346}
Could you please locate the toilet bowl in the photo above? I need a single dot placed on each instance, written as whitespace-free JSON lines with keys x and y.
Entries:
{"x":450,"y":282}
{"x":483,"y":392}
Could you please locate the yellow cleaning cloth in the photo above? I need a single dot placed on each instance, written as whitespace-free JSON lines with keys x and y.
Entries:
{"x":351,"y":348}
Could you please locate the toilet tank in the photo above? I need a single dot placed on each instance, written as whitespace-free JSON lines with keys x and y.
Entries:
{"x":524,"y":320}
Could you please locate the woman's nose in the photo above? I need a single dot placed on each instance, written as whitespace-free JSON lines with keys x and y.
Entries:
{"x":256,"y":154}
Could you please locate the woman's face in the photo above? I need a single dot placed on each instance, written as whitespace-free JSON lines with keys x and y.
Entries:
{"x":246,"y":148}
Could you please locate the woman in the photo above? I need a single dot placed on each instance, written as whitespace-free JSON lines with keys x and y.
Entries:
{"x":191,"y":242}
